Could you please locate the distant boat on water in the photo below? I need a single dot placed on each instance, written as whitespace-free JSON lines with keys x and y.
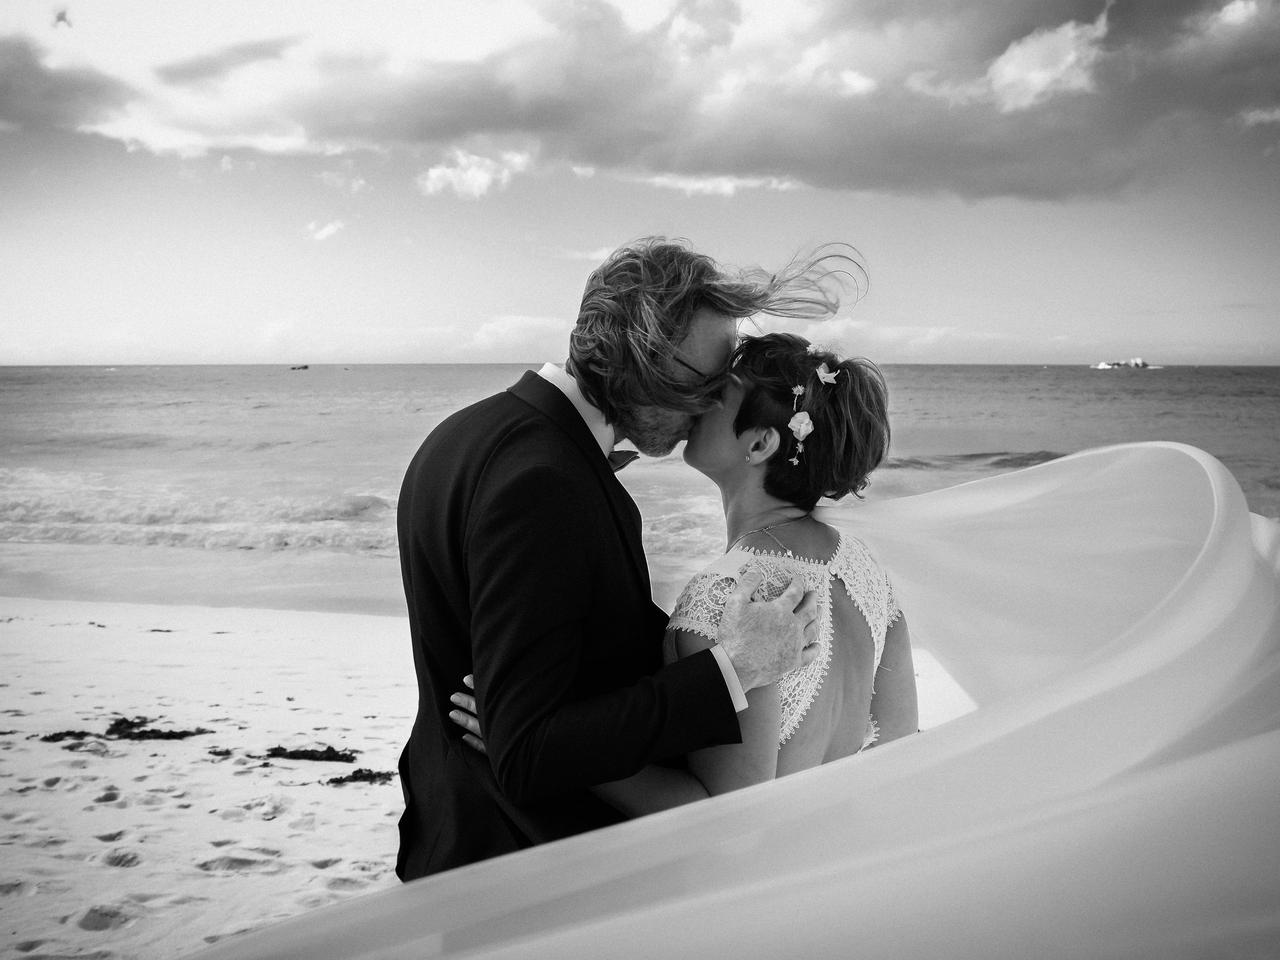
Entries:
{"x":1133,"y":363}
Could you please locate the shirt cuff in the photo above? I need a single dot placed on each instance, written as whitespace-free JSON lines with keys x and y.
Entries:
{"x":730,"y":678}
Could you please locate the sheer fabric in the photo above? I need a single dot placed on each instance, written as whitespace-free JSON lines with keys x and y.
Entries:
{"x":701,"y":604}
{"x":1116,"y":617}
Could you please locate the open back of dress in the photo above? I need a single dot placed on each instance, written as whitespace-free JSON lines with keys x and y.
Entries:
{"x":1115,"y":615}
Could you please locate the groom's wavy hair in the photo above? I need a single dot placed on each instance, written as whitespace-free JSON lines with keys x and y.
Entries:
{"x":850,"y":416}
{"x":638,"y":305}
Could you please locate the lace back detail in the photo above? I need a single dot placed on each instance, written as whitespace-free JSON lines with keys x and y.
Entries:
{"x":702,"y":603}
{"x":868,"y":587}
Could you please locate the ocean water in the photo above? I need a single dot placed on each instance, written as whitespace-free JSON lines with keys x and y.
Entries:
{"x":237,"y":462}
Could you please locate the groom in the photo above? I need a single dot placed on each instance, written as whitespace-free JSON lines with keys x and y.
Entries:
{"x":523,"y":565}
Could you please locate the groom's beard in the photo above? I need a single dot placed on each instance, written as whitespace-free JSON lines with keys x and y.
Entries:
{"x":655,"y":431}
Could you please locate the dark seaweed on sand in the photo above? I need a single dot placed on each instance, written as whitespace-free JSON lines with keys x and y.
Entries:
{"x":125,"y":728}
{"x":122,"y":728}
{"x":328,"y":754}
{"x":67,"y":735}
{"x":362,"y":775}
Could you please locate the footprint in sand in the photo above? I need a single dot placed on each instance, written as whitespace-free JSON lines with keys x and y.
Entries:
{"x":233,"y":864}
{"x":103,"y":918}
{"x":344,"y":884}
{"x":265,"y":808}
{"x":314,"y":901}
{"x":95,"y":747}
{"x":122,"y":858}
{"x":46,"y":843}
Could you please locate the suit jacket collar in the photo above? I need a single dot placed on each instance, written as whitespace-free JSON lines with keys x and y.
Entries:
{"x":548,"y":400}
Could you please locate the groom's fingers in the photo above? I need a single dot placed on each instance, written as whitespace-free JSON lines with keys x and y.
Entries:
{"x":748,"y":584}
{"x":807,"y":611}
{"x":466,"y":721}
{"x":475,"y":743}
{"x":466,"y":717}
{"x":805,"y":604}
{"x":793,"y":595}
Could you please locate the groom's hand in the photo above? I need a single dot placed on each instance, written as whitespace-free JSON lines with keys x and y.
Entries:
{"x":466,"y":716}
{"x":768,"y":638}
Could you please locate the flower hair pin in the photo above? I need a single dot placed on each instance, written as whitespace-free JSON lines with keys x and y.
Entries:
{"x":825,"y":375}
{"x":796,"y":392}
{"x":801,"y":425}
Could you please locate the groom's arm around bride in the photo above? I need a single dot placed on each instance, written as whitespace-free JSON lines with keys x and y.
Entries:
{"x":523,"y":565}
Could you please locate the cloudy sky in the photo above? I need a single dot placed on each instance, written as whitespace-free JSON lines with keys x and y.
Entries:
{"x":1040,"y":181}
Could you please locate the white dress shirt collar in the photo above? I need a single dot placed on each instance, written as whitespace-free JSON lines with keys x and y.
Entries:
{"x":591,"y":416}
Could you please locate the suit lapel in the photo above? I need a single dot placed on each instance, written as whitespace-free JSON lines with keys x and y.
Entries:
{"x":551,"y":403}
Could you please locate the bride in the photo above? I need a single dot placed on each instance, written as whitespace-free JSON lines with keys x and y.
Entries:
{"x":795,"y":424}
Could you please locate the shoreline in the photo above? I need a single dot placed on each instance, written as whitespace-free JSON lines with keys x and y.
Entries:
{"x":301,"y":581}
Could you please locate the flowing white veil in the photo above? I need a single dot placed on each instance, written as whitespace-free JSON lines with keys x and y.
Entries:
{"x":1115,"y":615}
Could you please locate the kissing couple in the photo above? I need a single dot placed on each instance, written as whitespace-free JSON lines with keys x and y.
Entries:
{"x":524,"y":570}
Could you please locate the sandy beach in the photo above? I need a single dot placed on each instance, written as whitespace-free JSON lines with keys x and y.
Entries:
{"x":153,"y":847}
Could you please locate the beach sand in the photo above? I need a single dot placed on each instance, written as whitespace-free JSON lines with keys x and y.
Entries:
{"x":150,"y":848}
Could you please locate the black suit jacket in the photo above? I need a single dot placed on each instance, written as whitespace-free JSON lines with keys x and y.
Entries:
{"x":523,"y":564}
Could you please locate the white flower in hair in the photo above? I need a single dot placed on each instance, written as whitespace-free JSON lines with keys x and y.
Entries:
{"x":798,"y":391}
{"x":825,"y":375}
{"x":800,"y":425}
{"x":813,"y":350}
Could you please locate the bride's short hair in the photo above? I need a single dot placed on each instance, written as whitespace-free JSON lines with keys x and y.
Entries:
{"x":850,"y":416}
{"x":638,"y":305}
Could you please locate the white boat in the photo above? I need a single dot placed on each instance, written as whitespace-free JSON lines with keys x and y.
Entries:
{"x":1133,"y":363}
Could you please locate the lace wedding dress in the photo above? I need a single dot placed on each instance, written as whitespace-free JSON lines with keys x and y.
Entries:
{"x":852,"y":566}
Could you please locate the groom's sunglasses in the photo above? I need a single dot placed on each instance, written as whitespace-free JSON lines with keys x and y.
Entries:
{"x":710,"y":385}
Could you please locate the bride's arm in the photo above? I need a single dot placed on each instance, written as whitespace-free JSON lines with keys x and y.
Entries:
{"x":755,"y":759}
{"x":654,"y":788}
{"x":893,"y":705}
{"x":714,"y":770}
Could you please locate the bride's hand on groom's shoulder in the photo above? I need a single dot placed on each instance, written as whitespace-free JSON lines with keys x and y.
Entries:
{"x":768,"y":638}
{"x":466,"y":716}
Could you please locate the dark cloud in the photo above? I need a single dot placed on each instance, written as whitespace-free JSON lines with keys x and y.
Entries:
{"x":598,"y":93}
{"x":1137,"y":89}
{"x":595,"y":91}
{"x":975,"y":30}
{"x":984,"y":28}
{"x":33,"y":96}
{"x":214,"y":66}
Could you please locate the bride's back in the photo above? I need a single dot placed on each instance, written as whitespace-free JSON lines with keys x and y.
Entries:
{"x":827,"y":706}
{"x":837,"y":723}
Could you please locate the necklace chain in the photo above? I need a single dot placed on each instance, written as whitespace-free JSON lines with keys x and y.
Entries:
{"x":765,"y":529}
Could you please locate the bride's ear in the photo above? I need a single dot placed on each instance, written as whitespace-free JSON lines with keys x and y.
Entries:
{"x":764,"y":444}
